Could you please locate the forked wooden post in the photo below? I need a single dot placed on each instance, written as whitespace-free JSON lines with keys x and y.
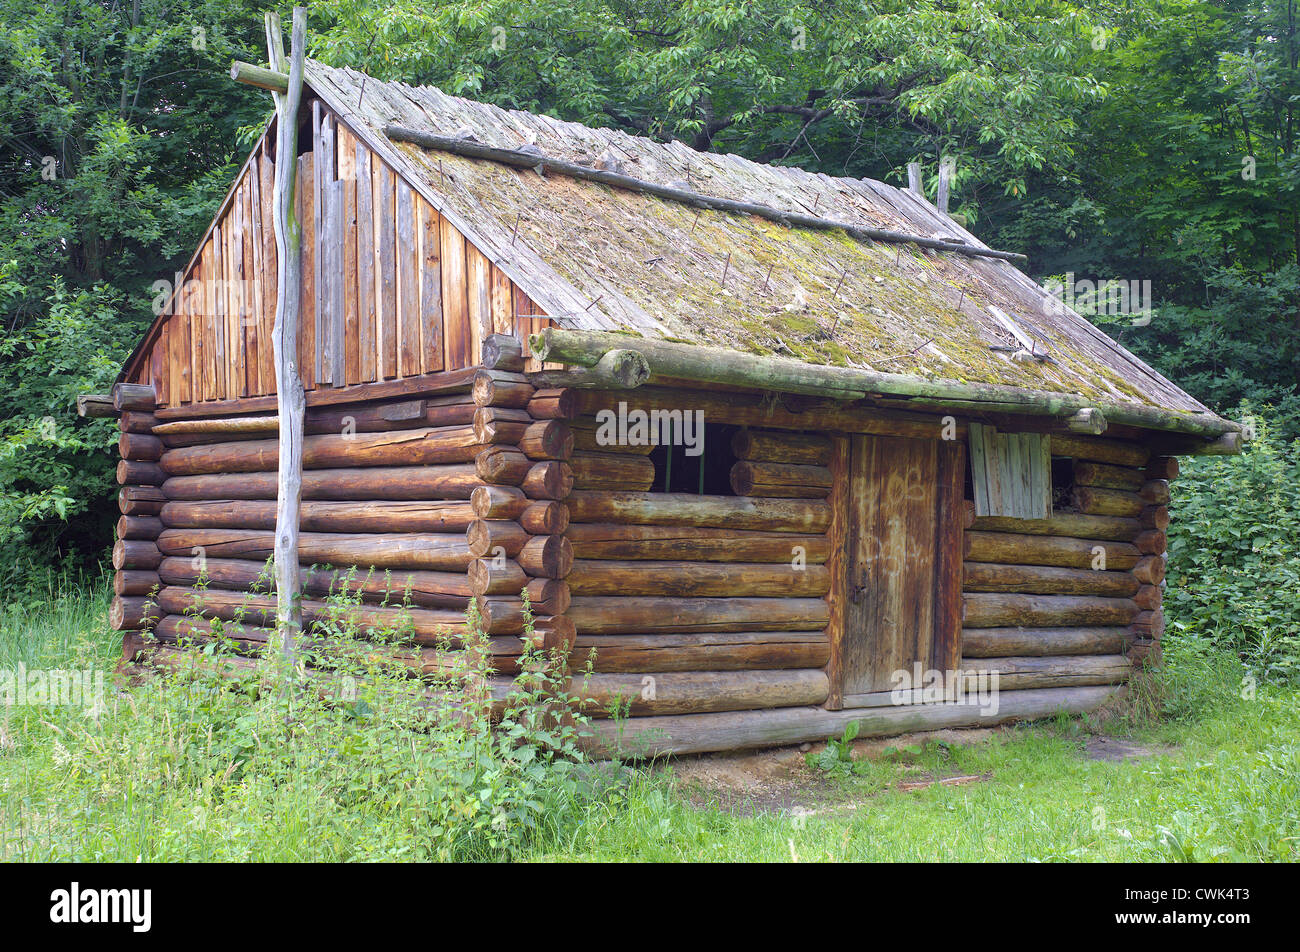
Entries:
{"x":291,"y":399}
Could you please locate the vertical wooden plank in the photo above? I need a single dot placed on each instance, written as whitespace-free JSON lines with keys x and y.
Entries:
{"x":181,"y":343}
{"x":324,"y":290}
{"x":347,"y":161}
{"x":336,"y":200}
{"x":198,"y":347}
{"x":330,"y":276}
{"x":252,"y":281}
{"x":1045,"y":454}
{"x":249,"y":289}
{"x":270,"y":278}
{"x":502,"y":303}
{"x":252,"y":325}
{"x":994,"y":463}
{"x":367,"y":347}
{"x":921,"y":556}
{"x":307,"y":217}
{"x":838,"y":564}
{"x":455,"y":303}
{"x":408,"y":292}
{"x":211,"y":277}
{"x":431,"y":359}
{"x":318,"y":229}
{"x":523,"y":324}
{"x":1031,"y":478}
{"x":173,"y":395}
{"x":887,"y":569}
{"x":889,"y":626}
{"x":219,"y":311}
{"x":1026,"y":462}
{"x":235,"y":295}
{"x":385,"y":229}
{"x":225,"y":304}
{"x":945,"y":648}
{"x":479,"y":284}
{"x":201,"y":352}
{"x":158,"y":361}
{"x":912,"y":493}
{"x":225,"y":358}
{"x":1010,"y":474}
{"x":238,"y":300}
{"x":859,"y":624}
{"x":978,"y":468}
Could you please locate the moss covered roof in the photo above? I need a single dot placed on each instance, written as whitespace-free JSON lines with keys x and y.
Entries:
{"x":597,"y":257}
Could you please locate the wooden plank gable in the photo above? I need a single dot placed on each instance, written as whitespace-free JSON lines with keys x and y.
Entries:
{"x":391,"y":289}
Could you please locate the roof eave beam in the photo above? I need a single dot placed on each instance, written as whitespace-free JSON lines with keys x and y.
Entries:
{"x":668,"y":359}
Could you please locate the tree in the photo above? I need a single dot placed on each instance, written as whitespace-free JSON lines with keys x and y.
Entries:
{"x":119,"y":131}
{"x":834,"y":85}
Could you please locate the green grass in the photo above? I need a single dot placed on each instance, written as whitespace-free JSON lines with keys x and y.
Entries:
{"x":1229,"y":791}
{"x":123,"y":785}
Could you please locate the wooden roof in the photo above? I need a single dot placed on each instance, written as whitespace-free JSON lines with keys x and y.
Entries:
{"x":602,"y":258}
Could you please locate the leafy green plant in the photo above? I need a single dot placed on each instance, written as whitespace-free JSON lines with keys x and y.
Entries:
{"x":836,"y":758}
{"x":1234,"y":553}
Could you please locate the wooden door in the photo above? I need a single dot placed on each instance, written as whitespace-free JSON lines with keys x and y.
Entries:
{"x":902,"y":557}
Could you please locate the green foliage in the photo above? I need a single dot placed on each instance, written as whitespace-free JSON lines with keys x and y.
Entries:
{"x":56,"y":470}
{"x":998,"y":81}
{"x":350,"y":759}
{"x":836,"y":758}
{"x":117,"y":141}
{"x":1234,"y":553}
{"x":1187,"y":175}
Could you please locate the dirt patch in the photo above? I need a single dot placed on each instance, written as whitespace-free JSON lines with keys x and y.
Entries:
{"x":874,"y":748}
{"x":752,"y":782}
{"x":779,"y":779}
{"x":1119,"y":750}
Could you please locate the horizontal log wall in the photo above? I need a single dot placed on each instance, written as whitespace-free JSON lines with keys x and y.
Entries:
{"x":737,"y":730}
{"x":670,"y":588}
{"x":686,"y":603}
{"x":1073,"y":599}
{"x":388,"y":516}
{"x":136,"y":555}
{"x":685,"y":606}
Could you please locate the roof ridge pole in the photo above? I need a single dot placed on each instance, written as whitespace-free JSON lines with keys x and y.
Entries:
{"x":291,"y":399}
{"x":534,"y":159}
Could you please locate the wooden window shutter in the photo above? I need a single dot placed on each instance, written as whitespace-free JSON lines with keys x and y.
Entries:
{"x":1011,"y":473}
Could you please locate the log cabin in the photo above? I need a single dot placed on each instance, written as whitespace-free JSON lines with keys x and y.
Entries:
{"x":770,"y":451}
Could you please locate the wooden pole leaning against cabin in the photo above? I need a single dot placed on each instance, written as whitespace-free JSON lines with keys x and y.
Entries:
{"x":290,"y":393}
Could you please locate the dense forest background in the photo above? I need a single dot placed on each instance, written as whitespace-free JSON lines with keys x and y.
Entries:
{"x":1134,"y":140}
